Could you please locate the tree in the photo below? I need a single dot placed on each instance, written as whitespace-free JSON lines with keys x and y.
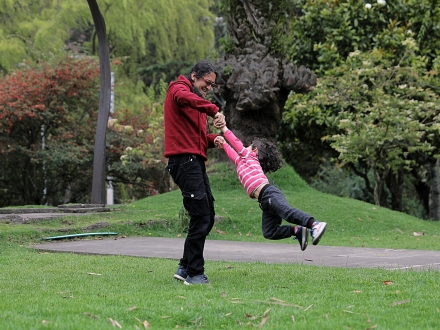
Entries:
{"x":142,"y":32}
{"x":324,"y":32}
{"x":348,"y":27}
{"x":255,"y":78}
{"x":46,"y":128}
{"x":135,"y":147}
{"x":377,"y":116}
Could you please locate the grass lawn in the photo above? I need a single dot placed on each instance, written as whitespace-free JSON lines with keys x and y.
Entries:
{"x":40,"y":290}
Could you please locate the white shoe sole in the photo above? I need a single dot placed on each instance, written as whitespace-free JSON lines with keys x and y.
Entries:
{"x":321,"y":232}
{"x":178,"y":277}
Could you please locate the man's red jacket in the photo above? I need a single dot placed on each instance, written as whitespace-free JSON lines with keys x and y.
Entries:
{"x":185,"y":115}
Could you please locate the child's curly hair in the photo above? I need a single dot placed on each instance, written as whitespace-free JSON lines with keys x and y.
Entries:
{"x":268,"y":155}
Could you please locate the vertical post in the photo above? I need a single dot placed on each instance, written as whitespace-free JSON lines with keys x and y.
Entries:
{"x":98,"y":183}
{"x":110,"y":191}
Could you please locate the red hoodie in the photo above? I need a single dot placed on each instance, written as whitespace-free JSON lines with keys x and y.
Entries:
{"x":185,"y":115}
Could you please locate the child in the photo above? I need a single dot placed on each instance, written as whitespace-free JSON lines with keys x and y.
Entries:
{"x":251,"y":164}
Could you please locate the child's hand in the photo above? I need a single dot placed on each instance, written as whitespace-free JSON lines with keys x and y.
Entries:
{"x":218,"y":141}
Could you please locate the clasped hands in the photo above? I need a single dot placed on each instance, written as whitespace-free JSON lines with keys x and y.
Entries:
{"x":219,"y":122}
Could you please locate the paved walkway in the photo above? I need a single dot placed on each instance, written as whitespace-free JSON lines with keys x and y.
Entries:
{"x":331,"y":256}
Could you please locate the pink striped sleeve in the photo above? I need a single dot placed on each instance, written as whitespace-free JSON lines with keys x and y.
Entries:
{"x":232,"y":154}
{"x":235,"y":143}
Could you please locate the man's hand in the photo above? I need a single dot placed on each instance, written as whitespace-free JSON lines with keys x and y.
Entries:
{"x":219,"y":120}
{"x":218,"y":141}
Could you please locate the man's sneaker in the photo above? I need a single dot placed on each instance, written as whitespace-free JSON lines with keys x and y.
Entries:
{"x":302,"y":237}
{"x":317,"y":231}
{"x":181,"y":274}
{"x":198,"y":279}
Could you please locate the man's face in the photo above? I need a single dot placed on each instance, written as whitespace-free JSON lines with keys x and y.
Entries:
{"x":204,"y":84}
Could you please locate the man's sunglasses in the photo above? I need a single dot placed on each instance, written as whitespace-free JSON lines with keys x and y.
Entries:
{"x":210,"y":83}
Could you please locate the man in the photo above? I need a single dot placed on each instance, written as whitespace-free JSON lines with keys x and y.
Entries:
{"x":186,"y":143}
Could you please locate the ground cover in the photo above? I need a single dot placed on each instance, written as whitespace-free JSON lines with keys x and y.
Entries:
{"x":42,"y":290}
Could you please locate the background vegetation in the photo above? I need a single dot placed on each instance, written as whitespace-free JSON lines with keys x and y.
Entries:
{"x":371,"y":123}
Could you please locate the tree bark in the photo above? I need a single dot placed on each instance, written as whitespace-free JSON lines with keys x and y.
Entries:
{"x":434,"y":200}
{"x":395,"y":185}
{"x":380,"y":197}
{"x":254,"y":78}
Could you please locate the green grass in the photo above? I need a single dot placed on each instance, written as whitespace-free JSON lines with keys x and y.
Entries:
{"x":40,"y":290}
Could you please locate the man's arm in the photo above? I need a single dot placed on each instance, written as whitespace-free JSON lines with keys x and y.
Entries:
{"x":185,"y":97}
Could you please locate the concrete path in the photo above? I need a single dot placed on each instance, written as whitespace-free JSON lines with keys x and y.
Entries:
{"x":331,"y":256}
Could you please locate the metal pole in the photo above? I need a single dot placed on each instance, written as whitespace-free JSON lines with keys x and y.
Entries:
{"x":110,"y":190}
{"x":98,"y":184}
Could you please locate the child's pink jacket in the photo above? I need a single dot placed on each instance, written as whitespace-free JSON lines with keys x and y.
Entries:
{"x":248,"y":167}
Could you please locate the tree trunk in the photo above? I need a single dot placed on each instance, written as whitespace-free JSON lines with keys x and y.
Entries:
{"x":380,"y":197}
{"x":395,"y":185}
{"x":254,"y":78}
{"x":434,"y":200}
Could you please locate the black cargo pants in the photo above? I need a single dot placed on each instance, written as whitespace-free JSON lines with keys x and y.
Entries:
{"x":189,"y":173}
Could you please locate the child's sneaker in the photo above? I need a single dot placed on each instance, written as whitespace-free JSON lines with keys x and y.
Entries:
{"x":180,"y":274}
{"x":302,"y":237}
{"x":317,"y":231}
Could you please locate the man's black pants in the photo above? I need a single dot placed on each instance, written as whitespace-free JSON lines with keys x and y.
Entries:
{"x":189,"y":173}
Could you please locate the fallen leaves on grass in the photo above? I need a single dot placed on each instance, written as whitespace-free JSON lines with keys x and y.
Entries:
{"x":276,"y":299}
{"x":279,"y":303}
{"x":308,"y":308}
{"x":196,"y":320}
{"x":419,"y":233}
{"x":400,"y":302}
{"x":263,"y":321}
{"x":114,"y":323}
{"x":94,"y":274}
{"x":66,"y":294}
{"x":131,"y":309}
{"x":388,"y":282}
{"x":219,"y":231}
{"x":145,"y":323}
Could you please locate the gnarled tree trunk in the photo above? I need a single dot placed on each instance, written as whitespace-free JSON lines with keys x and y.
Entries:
{"x":255,"y":79}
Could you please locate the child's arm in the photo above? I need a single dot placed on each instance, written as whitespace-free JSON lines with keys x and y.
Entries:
{"x":234,"y":141}
{"x":221,"y":143}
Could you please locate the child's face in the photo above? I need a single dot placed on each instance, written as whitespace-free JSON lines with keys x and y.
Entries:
{"x":252,"y":148}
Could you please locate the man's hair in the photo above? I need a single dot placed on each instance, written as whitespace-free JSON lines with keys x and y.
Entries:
{"x":202,"y":68}
{"x":268,"y":155}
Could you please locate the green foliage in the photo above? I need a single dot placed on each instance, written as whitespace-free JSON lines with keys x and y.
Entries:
{"x":325,"y":32}
{"x":135,"y":144}
{"x":147,"y":32}
{"x":375,"y":105}
{"x":46,"y":131}
{"x":371,"y":111}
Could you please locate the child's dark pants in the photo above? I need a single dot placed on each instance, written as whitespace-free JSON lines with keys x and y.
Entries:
{"x":275,"y":208}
